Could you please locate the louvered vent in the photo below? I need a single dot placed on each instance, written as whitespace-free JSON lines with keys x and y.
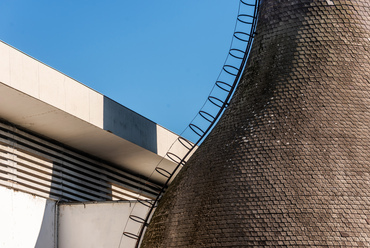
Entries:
{"x":45,"y":168}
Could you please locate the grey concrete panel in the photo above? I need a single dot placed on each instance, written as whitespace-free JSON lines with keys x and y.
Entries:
{"x":129,"y":125}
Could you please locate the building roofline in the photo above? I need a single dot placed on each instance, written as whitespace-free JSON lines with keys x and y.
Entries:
{"x":43,"y":100}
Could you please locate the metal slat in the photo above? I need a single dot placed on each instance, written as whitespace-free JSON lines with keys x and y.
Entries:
{"x":53,"y":147}
{"x":92,"y":171}
{"x":123,"y":191}
{"x":61,"y":180}
{"x":55,"y":176}
{"x":54,"y":171}
{"x":99,"y":172}
{"x":51,"y":194}
{"x":46,"y":185}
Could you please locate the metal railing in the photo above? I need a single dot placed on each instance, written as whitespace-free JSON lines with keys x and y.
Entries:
{"x":217,"y":101}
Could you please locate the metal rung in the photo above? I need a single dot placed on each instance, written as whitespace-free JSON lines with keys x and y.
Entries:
{"x":186,"y":143}
{"x":163,"y":172}
{"x":222,"y":85}
{"x":235,"y":56}
{"x":196,"y":129}
{"x":131,"y":235}
{"x":248,"y":4}
{"x":242,"y":33}
{"x":206,"y":116}
{"x":146,"y":203}
{"x":216,"y":101}
{"x":226,"y":69}
{"x":174,"y":157}
{"x":138,"y":219}
{"x":244,"y":15}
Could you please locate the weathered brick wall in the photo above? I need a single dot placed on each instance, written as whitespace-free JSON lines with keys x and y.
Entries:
{"x":289,"y":162}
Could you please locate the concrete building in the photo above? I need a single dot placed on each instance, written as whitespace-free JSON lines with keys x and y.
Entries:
{"x":73,"y":162}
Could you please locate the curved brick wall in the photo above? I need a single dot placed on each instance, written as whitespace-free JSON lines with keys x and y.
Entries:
{"x":289,"y":162}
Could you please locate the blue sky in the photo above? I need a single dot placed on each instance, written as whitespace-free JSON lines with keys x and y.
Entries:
{"x":158,"y":58}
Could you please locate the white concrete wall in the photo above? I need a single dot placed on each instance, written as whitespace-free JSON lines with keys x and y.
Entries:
{"x":42,"y":82}
{"x":26,"y":220}
{"x":96,"y":225}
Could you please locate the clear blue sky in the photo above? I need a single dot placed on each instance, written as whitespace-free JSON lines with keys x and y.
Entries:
{"x":158,"y":58}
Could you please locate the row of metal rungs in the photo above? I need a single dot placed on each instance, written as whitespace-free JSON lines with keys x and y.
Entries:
{"x":232,"y":70}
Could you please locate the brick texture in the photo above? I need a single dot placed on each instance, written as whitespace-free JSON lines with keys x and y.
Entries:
{"x":288,"y":165}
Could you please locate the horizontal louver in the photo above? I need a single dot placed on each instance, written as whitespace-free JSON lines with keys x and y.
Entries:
{"x":31,"y":164}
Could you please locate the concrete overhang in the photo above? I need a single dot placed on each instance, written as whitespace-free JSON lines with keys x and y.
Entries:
{"x":45,"y":101}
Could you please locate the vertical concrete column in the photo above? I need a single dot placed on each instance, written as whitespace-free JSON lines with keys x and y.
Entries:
{"x":289,"y":162}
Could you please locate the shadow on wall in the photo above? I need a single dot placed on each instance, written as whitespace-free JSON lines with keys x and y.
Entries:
{"x":22,"y":215}
{"x":47,"y":234}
